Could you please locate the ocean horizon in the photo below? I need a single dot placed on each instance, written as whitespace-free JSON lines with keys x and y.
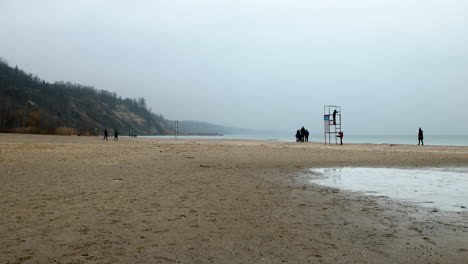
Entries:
{"x":430,"y":140}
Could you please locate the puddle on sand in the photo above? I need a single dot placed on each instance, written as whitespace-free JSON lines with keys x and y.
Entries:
{"x":445,"y":189}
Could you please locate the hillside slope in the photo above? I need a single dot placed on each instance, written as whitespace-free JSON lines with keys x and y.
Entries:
{"x":205,"y":128}
{"x":31,"y":105}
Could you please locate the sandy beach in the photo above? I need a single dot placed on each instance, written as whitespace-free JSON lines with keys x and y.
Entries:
{"x":70,"y":199}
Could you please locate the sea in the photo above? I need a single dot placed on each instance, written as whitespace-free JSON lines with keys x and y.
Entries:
{"x":431,"y":140}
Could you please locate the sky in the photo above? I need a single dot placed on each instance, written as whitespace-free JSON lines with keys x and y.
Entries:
{"x":392,"y":65}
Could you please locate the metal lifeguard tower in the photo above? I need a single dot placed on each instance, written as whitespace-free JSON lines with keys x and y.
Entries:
{"x":331,"y":123}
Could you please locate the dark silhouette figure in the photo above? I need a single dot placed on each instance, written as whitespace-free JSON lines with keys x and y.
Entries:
{"x":334,"y":116}
{"x":341,"y":135}
{"x":306,"y":135}
{"x":105,"y":134}
{"x":303,"y":134}
{"x":298,"y":135}
{"x":116,"y":135}
{"x":420,"y":137}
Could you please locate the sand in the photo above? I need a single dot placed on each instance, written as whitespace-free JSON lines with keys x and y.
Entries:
{"x":69,"y":199}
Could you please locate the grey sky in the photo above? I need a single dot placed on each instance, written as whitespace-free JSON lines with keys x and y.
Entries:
{"x":393,"y":65}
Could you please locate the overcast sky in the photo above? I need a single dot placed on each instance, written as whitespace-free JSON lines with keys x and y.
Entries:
{"x":393,"y":65}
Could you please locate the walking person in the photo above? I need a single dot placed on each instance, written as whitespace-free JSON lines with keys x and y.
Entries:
{"x":420,"y":137}
{"x":306,"y":135}
{"x":116,"y":135}
{"x":105,"y":134}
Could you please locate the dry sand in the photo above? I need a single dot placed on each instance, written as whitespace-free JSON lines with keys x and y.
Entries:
{"x":83,"y":200}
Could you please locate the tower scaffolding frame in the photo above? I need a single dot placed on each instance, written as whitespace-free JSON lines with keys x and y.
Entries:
{"x":331,"y":126}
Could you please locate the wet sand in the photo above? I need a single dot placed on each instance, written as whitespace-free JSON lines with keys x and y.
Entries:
{"x":83,"y":200}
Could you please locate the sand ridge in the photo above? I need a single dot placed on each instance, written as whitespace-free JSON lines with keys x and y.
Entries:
{"x":84,"y":200}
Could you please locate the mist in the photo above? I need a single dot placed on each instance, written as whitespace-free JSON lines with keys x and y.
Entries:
{"x":392,"y":66}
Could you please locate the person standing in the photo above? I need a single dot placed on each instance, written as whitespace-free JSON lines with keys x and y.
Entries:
{"x":341,"y":135}
{"x":302,"y":134}
{"x":421,"y":137}
{"x":298,"y":135}
{"x":116,"y":135}
{"x":105,"y":134}
{"x":306,"y":135}
{"x":334,"y":116}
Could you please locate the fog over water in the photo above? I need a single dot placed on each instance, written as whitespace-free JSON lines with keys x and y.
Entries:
{"x":392,"y":65}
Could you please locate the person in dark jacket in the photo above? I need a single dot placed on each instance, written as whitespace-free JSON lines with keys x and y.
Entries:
{"x":334,"y":116}
{"x":116,"y":135}
{"x":420,"y":137}
{"x":302,"y":134}
{"x":105,"y":134}
{"x":298,"y":135}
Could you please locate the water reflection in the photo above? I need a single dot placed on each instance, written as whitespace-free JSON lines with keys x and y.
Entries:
{"x":445,"y":189}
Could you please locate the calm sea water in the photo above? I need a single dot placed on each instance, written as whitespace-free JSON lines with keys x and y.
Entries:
{"x":435,"y":140}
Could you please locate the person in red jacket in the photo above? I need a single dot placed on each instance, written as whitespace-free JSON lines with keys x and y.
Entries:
{"x":341,"y":135}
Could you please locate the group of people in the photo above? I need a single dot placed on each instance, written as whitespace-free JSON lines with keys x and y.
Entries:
{"x":302,"y":135}
{"x":106,"y":134}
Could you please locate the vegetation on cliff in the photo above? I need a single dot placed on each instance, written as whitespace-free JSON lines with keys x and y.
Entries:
{"x":31,"y":105}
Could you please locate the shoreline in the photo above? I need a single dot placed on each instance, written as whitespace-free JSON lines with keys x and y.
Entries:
{"x":81,"y":199}
{"x":276,"y":138}
{"x":207,"y":137}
